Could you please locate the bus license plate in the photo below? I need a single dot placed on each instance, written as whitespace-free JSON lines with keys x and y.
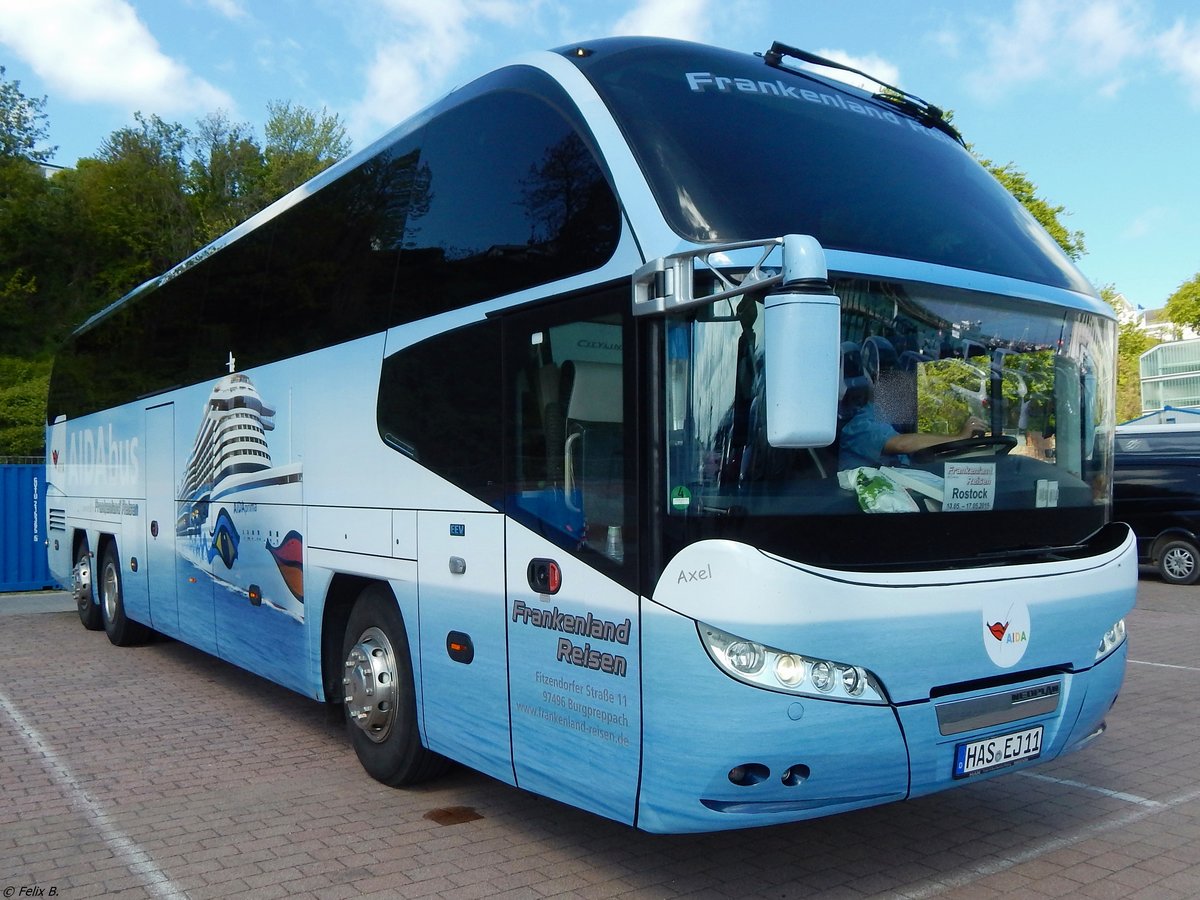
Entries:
{"x":991,"y":753}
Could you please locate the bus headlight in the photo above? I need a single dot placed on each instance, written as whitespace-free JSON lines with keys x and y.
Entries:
{"x":746,"y":657}
{"x":789,"y":670}
{"x":793,"y":673}
{"x":1113,"y":638}
{"x":822,"y":675}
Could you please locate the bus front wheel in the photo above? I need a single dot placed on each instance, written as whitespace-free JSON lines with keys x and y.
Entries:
{"x":380,"y":700}
{"x":122,"y":631}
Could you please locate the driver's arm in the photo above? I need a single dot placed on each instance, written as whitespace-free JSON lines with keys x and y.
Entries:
{"x":911,"y":443}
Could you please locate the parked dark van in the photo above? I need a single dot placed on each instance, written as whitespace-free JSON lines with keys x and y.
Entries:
{"x":1156,"y":489}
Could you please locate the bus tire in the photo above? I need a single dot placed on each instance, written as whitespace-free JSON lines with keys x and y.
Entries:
{"x":1179,"y":562}
{"x":84,"y":589}
{"x":380,"y":700}
{"x":121,"y":630}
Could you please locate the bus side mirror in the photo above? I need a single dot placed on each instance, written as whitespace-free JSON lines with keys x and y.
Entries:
{"x":803,"y":350}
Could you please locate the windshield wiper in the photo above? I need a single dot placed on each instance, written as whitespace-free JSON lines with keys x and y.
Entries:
{"x":1049,"y":553}
{"x":926,"y":113}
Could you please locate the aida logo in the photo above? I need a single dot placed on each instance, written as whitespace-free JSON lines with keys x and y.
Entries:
{"x":1006,"y":631}
{"x":225,"y":540}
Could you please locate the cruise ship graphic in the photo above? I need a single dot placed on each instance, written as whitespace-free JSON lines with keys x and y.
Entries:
{"x":238,"y":514}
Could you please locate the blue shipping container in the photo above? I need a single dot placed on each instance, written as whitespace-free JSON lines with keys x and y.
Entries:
{"x":23,"y":562}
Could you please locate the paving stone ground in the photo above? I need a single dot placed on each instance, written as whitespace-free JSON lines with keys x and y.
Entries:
{"x":161,"y":772}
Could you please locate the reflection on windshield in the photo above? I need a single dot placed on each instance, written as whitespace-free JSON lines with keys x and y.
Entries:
{"x":950,"y":402}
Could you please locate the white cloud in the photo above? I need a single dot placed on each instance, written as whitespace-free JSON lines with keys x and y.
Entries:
{"x":99,"y":51}
{"x":875,"y":66}
{"x":1179,"y":52}
{"x":408,"y":64}
{"x":947,"y":40}
{"x":230,"y":9}
{"x":1094,"y":40}
{"x":1145,"y":223}
{"x":684,"y":19}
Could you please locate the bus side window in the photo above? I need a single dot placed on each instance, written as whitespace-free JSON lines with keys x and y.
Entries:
{"x":439,"y":404}
{"x":508,"y":196}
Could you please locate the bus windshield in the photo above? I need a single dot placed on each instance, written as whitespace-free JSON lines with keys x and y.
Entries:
{"x":809,"y":156}
{"x":952,"y":403}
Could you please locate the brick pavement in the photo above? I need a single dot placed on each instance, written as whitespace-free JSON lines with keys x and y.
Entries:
{"x":161,"y":772}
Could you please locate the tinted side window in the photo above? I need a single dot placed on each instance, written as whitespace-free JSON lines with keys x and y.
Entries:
{"x":331,"y":266}
{"x":317,"y":274}
{"x":236,"y":285}
{"x":141,"y":348}
{"x":440,"y":403}
{"x":507,"y":196}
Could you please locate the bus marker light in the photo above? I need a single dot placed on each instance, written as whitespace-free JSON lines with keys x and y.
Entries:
{"x":460,"y":647}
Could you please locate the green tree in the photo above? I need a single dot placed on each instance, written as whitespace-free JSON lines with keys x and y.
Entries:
{"x":29,"y":245}
{"x":23,"y":123}
{"x":299,"y":145}
{"x":1132,"y":342}
{"x":1050,"y":216}
{"x":23,"y":385}
{"x":1021,"y":186}
{"x":226,"y":175}
{"x":27,"y":248}
{"x":1183,"y":306}
{"x":130,"y":215}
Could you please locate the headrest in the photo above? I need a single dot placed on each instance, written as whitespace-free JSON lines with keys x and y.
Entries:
{"x":878,"y":355}
{"x":593,"y":391}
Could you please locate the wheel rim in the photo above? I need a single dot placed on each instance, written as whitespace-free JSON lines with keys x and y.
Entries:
{"x":111,"y":589}
{"x":370,"y":682}
{"x":82,"y":578}
{"x":1178,"y":563}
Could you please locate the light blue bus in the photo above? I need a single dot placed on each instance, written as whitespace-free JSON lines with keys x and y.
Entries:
{"x":680,"y":434}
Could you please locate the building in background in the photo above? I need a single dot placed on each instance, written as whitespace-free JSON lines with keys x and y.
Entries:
{"x":1170,"y":375}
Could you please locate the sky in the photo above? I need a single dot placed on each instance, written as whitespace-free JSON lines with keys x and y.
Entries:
{"x":1097,"y":101}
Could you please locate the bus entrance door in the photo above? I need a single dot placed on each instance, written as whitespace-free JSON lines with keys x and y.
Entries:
{"x":573,"y":678}
{"x":464,"y":659}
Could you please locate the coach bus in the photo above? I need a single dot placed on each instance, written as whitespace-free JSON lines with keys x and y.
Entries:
{"x":684,"y":435}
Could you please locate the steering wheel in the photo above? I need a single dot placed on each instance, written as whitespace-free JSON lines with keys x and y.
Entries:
{"x":998,"y":445}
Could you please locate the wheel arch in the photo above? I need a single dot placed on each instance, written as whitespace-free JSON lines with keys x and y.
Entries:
{"x":339,"y":600}
{"x":344,"y":589}
{"x":1164,"y":537}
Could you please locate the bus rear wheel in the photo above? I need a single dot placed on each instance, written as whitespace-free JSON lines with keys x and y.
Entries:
{"x":379,"y":696}
{"x":84,"y":590}
{"x":122,"y":631}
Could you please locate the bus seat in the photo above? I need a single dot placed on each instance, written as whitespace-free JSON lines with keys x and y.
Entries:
{"x":593,"y":452}
{"x":856,"y":386}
